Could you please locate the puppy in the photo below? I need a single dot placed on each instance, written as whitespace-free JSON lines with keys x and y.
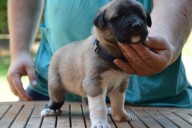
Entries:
{"x":86,"y":67}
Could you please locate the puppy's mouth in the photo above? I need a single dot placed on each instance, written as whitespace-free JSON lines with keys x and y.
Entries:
{"x":135,"y":39}
{"x":130,"y":37}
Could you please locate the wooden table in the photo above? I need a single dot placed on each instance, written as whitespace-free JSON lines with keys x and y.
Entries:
{"x":75,"y":115}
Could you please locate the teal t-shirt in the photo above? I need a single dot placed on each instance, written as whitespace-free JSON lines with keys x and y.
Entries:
{"x":66,"y":21}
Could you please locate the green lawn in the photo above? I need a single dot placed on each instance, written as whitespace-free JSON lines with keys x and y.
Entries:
{"x":3,"y":16}
{"x":187,"y":58}
{"x":5,"y":61}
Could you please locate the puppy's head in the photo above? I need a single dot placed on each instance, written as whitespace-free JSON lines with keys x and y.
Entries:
{"x":124,"y":21}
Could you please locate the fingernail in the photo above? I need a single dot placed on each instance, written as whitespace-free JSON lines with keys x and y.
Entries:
{"x":147,"y":39}
{"x":34,"y":83}
{"x":116,"y":61}
{"x":119,"y":43}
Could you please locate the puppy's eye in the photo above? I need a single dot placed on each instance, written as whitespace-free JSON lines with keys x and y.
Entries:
{"x":115,"y":18}
{"x":142,"y":17}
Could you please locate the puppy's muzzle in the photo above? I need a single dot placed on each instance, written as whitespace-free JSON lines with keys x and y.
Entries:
{"x":136,"y":27}
{"x":138,"y":33}
{"x":132,"y":33}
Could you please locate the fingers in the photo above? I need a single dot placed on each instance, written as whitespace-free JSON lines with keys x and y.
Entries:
{"x":22,"y":65}
{"x":135,"y":63}
{"x":16,"y":86}
{"x":155,"y":43}
{"x":148,"y":57}
{"x":157,"y":54}
{"x":12,"y":88}
{"x":124,"y":66}
{"x":145,"y":60}
{"x":32,"y":76}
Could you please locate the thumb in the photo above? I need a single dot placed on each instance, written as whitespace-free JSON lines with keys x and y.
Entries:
{"x":32,"y":75}
{"x":155,"y":43}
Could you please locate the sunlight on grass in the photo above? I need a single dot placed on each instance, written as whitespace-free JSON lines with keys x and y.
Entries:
{"x":187,"y":58}
{"x":5,"y":92}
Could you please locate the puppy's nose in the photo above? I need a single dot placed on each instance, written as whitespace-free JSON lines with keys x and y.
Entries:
{"x":136,"y":27}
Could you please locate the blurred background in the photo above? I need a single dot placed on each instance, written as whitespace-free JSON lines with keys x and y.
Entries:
{"x":5,"y":93}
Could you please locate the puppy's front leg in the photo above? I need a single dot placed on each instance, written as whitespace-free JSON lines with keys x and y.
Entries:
{"x":96,"y":93}
{"x":117,"y":99}
{"x":98,"y":111}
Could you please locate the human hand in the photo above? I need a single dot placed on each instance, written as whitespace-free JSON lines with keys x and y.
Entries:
{"x":148,"y":59}
{"x":20,"y":66}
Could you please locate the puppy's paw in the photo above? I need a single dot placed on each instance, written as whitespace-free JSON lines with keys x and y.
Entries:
{"x":50,"y":112}
{"x":100,"y":125}
{"x":123,"y":117}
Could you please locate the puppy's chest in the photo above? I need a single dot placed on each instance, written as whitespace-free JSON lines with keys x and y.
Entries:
{"x":113,"y":78}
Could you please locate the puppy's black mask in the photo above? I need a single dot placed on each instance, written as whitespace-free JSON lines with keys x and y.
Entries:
{"x":126,"y":21}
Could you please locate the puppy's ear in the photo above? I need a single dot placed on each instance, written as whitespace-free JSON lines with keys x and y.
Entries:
{"x":149,"y":22}
{"x":100,"y":20}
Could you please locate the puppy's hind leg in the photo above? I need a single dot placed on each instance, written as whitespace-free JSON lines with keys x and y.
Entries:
{"x":117,"y":99}
{"x":56,"y":93}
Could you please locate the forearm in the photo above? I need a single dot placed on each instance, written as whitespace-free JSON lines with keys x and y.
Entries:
{"x":172,"y":21}
{"x":23,"y":17}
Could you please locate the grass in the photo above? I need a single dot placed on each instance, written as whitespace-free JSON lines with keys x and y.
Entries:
{"x":3,"y":16}
{"x":5,"y":61}
{"x":187,"y":51}
{"x":187,"y":58}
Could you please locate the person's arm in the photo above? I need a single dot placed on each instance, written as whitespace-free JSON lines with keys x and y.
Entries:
{"x":172,"y":21}
{"x":171,"y":25}
{"x":23,"y":18}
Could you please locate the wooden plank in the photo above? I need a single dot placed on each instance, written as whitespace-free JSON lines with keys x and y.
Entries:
{"x":162,"y":120}
{"x":49,"y":122}
{"x":23,"y":116}
{"x":35,"y":120}
{"x":185,"y":116}
{"x":116,"y":124}
{"x":76,"y":116}
{"x":63,"y":120}
{"x":88,"y":121}
{"x":3,"y":110}
{"x":86,"y":115}
{"x":175,"y":119}
{"x":111,"y":122}
{"x":136,"y":122}
{"x":145,"y":118}
{"x":10,"y":116}
{"x":169,"y":109}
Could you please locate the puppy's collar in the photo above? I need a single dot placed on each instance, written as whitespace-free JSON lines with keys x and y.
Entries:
{"x":101,"y":53}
